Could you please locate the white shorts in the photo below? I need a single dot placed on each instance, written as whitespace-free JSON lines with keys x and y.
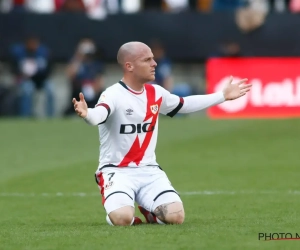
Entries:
{"x":148,"y":186}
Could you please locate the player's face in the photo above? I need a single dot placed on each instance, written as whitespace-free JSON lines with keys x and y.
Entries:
{"x":144,"y":65}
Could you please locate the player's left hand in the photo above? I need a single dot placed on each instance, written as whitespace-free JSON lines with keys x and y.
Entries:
{"x":236,"y":90}
{"x":80,"y":106}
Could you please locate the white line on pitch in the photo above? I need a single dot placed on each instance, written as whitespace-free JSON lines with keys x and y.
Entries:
{"x":189,"y":193}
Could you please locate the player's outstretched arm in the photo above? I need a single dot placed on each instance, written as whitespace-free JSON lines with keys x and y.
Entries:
{"x":231,"y":91}
{"x":92,"y":116}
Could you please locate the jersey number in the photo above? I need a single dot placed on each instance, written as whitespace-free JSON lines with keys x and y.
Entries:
{"x":111,"y":176}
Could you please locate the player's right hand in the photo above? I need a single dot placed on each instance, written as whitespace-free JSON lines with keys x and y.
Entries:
{"x":236,"y":90}
{"x":80,"y":107}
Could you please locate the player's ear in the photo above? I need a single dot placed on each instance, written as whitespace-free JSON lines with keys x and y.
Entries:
{"x":129,"y":66}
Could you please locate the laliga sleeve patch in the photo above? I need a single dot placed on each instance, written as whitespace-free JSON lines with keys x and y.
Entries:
{"x":102,"y":98}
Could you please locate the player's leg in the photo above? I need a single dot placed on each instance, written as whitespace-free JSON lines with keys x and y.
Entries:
{"x":171,"y":213}
{"x":117,"y":198}
{"x":167,"y":213}
{"x":159,"y":202}
{"x":119,"y":209}
{"x":123,"y":217}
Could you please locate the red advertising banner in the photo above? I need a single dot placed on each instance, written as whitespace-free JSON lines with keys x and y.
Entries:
{"x":275,"y":92}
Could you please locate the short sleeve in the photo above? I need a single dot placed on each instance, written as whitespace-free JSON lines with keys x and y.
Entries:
{"x":171,"y":103}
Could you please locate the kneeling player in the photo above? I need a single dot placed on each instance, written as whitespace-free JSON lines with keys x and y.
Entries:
{"x":127,"y":119}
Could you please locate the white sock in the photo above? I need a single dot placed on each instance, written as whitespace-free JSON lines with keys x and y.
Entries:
{"x":132,"y":221}
{"x":110,"y":223}
{"x":160,"y":222}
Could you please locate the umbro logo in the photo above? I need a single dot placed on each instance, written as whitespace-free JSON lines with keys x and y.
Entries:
{"x":129,"y":111}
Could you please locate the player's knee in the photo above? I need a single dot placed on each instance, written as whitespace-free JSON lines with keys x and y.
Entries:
{"x":122,"y":216}
{"x":170,"y":213}
{"x":176,"y":218}
{"x":121,"y":220}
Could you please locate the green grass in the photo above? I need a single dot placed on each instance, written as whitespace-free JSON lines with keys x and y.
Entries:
{"x":258,"y":160}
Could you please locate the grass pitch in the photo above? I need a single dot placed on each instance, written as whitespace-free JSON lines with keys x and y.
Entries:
{"x":237,"y":178}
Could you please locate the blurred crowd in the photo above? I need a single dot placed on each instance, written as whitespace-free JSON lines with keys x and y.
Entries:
{"x":99,"y":9}
{"x":31,"y":66}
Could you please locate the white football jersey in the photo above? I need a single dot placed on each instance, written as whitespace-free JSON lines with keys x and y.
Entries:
{"x":128,"y":136}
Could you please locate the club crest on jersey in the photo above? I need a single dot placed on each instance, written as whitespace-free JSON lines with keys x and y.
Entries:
{"x":154,"y":108}
{"x":109,"y":185}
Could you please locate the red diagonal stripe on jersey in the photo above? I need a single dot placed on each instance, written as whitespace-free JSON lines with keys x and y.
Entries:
{"x":137,"y":151}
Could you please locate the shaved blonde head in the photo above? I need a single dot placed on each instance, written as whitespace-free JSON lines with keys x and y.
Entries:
{"x":130,"y":51}
{"x":138,"y":64}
